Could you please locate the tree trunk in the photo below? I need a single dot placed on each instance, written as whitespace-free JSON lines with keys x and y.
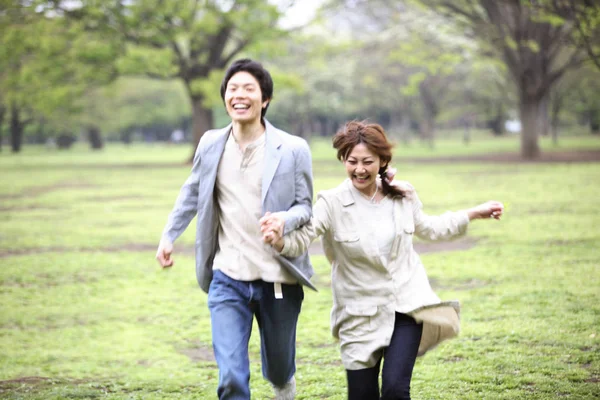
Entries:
{"x":468,"y":122}
{"x":297,"y":125}
{"x":497,"y":124}
{"x":557,"y":102}
{"x":126,"y":136}
{"x":302,"y":128}
{"x":595,"y":122}
{"x":554,"y":128}
{"x":95,"y":138}
{"x":202,"y":120}
{"x":330,"y":128}
{"x":405,"y":131}
{"x":543,"y":123}
{"x":400,"y":126}
{"x":2,"y":114}
{"x":430,"y":111}
{"x":16,"y":128}
{"x":308,"y":129}
{"x":529,"y":109}
{"x":40,"y":134}
{"x":427,"y":127}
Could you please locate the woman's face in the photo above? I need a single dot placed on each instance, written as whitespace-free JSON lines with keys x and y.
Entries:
{"x":362,"y":167}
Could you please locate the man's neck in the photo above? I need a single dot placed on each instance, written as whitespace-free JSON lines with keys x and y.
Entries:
{"x":247,"y":133}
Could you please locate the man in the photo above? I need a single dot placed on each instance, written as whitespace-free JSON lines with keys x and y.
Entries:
{"x":239,"y":173}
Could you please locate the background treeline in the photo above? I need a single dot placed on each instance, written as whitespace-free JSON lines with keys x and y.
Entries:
{"x":140,"y":70}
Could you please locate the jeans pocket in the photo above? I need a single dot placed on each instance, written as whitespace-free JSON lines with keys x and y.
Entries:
{"x":218,"y":289}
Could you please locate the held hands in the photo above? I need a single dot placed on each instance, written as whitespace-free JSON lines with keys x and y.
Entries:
{"x":163,"y":254}
{"x":271,"y":226}
{"x":490,"y":209}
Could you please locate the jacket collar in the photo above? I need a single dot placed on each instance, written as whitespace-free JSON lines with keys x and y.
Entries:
{"x":273,"y":144}
{"x":347,"y":197}
{"x":272,"y":139}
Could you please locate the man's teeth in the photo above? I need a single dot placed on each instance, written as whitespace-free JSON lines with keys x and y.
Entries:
{"x":241,"y":106}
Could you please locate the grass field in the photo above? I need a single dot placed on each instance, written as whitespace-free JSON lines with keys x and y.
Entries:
{"x":88,"y":314}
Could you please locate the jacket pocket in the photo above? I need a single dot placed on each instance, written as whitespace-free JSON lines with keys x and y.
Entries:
{"x":357,"y":321}
{"x":408,"y":232}
{"x":341,"y":236}
{"x":349,"y":244}
{"x":361,"y":311}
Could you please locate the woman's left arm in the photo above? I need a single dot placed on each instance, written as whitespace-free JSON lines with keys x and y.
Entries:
{"x":299,"y":213}
{"x":451,"y":224}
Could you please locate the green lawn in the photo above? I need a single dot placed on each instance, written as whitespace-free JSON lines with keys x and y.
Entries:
{"x":88,"y":313}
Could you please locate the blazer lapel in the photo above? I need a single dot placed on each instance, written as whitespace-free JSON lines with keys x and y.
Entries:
{"x":209,"y":163}
{"x":214,"y":151}
{"x":272,"y":157}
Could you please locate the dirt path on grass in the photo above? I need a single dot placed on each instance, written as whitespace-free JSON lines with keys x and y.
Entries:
{"x":565,"y":156}
{"x":315,"y":248}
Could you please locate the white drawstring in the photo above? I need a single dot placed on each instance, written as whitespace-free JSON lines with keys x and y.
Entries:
{"x":278,"y":290}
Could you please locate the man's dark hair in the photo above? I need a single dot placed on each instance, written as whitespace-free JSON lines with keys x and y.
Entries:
{"x":256,"y":70}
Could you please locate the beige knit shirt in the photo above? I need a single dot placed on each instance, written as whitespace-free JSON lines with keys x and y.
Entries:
{"x":242,"y":255}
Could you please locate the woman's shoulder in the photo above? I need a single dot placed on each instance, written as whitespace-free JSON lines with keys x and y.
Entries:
{"x":410,"y":193}
{"x":404,"y":186}
{"x":337,"y":192}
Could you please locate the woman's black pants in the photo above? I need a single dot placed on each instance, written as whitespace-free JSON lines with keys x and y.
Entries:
{"x":399,"y":359}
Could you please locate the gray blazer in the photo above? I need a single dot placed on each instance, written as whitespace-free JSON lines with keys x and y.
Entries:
{"x":287,"y":188}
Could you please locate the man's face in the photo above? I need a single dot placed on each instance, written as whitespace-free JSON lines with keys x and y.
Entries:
{"x":243,"y":98}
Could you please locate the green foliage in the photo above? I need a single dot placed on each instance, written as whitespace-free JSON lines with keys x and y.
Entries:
{"x":549,"y":18}
{"x":583,"y":92}
{"x":184,"y":39}
{"x":136,"y":102}
{"x":209,"y":88}
{"x":158,"y":63}
{"x":47,"y":65}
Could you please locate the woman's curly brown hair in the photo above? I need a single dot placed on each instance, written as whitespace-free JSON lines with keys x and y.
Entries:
{"x":373,"y":136}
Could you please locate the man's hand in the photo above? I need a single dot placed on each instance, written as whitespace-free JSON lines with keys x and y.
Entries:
{"x":163,"y":254}
{"x":490,"y":209}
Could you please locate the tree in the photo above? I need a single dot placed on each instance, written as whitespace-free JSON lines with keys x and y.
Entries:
{"x":2,"y":114}
{"x":585,"y":16}
{"x":15,"y":25}
{"x":585,"y":98}
{"x":190,"y":40}
{"x":132,"y":103}
{"x":409,"y":56}
{"x":432,"y":58}
{"x":535,"y":44}
{"x":47,"y":65}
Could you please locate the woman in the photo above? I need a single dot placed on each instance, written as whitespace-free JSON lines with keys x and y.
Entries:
{"x":383,"y":305}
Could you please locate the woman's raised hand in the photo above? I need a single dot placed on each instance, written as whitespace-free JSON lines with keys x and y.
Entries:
{"x":490,"y":209}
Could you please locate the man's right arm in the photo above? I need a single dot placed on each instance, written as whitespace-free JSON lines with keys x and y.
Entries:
{"x":185,"y":209}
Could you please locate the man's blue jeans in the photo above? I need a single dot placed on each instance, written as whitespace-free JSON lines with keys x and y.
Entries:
{"x":232,"y":305}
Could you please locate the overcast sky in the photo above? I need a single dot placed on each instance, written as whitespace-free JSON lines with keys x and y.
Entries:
{"x":300,"y":13}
